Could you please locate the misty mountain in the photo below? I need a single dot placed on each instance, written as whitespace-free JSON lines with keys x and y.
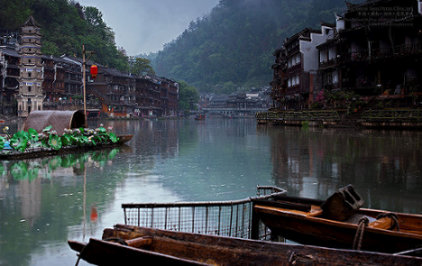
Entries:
{"x":232,"y":47}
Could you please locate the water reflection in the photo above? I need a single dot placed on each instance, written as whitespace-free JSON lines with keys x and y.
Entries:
{"x":37,"y":200}
{"x":49,"y":167}
{"x":45,"y":202}
{"x":383,"y":166}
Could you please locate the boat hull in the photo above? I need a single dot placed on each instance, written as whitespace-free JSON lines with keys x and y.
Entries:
{"x":173,"y":248}
{"x":306,"y":229}
{"x":44,"y":152}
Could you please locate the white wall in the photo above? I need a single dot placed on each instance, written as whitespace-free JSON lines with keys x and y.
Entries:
{"x":309,"y":50}
{"x":340,"y":25}
{"x":323,"y":56}
{"x":332,"y":53}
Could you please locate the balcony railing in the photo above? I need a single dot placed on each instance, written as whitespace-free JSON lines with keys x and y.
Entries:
{"x":382,"y":53}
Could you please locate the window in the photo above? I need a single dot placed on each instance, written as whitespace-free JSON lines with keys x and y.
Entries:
{"x":29,"y":60}
{"x":29,"y":74}
{"x":29,"y":88}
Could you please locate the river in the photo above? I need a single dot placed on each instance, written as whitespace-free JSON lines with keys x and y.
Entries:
{"x":46,"y":201}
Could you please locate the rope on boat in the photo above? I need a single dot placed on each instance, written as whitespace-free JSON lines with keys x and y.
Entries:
{"x":357,"y":242}
{"x":393,"y":217}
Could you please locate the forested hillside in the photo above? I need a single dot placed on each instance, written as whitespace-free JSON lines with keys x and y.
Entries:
{"x":65,"y":26}
{"x":232,"y":47}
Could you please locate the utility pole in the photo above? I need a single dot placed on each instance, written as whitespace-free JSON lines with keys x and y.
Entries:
{"x":84,"y":81}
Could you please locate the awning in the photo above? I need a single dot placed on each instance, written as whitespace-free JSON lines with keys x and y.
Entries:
{"x":59,"y":120}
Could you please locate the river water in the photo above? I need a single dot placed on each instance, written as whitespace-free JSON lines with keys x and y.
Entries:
{"x":45,"y":202}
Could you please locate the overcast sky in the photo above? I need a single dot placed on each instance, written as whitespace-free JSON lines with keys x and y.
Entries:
{"x":143,"y":26}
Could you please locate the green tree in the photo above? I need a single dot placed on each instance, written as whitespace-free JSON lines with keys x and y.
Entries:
{"x":188,"y":96}
{"x":141,"y":66}
{"x":13,"y":13}
{"x":232,"y":47}
{"x":65,"y":26}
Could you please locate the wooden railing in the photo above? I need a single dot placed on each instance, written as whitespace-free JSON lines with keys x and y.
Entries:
{"x":306,"y":115}
{"x":393,"y":115}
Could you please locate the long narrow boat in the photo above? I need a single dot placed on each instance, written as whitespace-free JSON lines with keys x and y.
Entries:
{"x":304,"y":221}
{"x":44,"y":152}
{"x":59,"y":121}
{"x":126,"y":245}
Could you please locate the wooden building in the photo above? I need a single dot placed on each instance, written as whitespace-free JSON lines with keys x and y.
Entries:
{"x":381,"y":56}
{"x":9,"y":84}
{"x":40,"y":82}
{"x":296,"y":67}
{"x":373,"y":51}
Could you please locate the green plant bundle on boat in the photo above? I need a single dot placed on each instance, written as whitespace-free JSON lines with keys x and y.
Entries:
{"x":48,"y":138}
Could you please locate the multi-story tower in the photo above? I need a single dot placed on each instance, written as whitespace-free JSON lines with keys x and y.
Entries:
{"x":30,"y":95}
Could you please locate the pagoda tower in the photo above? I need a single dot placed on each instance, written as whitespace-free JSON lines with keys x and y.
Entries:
{"x":30,"y":95}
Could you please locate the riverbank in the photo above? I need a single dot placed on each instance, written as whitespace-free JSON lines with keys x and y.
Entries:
{"x":385,"y":118}
{"x":9,"y":118}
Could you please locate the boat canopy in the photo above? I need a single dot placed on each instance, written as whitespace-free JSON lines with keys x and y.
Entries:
{"x":59,"y":120}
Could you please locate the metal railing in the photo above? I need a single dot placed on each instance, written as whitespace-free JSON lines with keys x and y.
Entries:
{"x":223,"y":218}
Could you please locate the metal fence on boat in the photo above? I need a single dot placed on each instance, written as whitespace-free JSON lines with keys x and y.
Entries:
{"x":223,"y":218}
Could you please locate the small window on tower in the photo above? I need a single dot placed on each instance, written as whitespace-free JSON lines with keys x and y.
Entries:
{"x":29,"y":88}
{"x":29,"y":74}
{"x":30,"y":49}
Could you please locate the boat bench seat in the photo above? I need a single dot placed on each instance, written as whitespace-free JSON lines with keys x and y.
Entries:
{"x":315,"y":211}
{"x":385,"y":223}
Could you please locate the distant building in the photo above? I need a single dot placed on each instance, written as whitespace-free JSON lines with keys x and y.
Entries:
{"x":296,"y":67}
{"x":32,"y":81}
{"x":31,"y":94}
{"x":373,"y":50}
{"x":9,"y":75}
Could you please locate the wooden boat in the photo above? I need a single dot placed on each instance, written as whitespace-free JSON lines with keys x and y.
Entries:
{"x":43,"y":152}
{"x":124,"y":138}
{"x":59,"y":120}
{"x":200,"y":117}
{"x":304,"y":221}
{"x":129,"y":244}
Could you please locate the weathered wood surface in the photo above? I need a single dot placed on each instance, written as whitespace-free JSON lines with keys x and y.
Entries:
{"x":304,"y":226}
{"x":44,"y":152}
{"x":173,"y":248}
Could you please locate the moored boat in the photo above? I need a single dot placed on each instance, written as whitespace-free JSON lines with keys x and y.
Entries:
{"x":49,"y":133}
{"x":200,"y":117}
{"x":308,"y":221}
{"x":43,"y":152}
{"x":129,"y":244}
